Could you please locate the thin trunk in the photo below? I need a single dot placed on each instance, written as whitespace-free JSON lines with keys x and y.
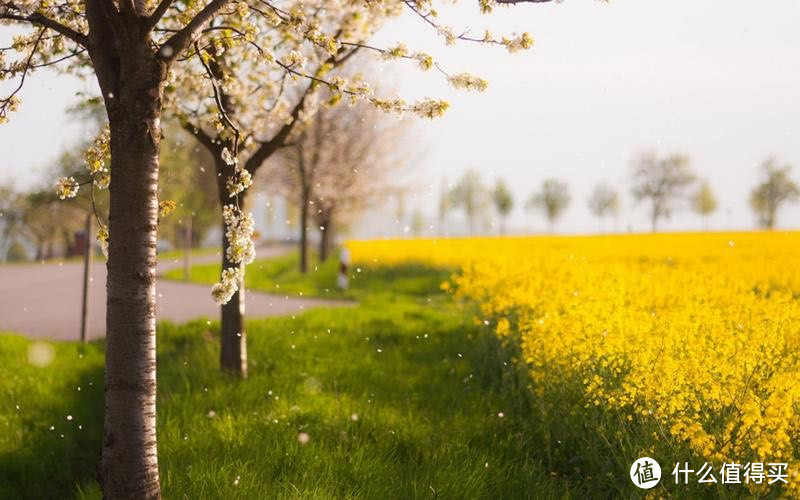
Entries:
{"x":304,"y":192}
{"x":325,"y":240}
{"x":233,"y":337}
{"x":187,"y":249}
{"x":87,"y":272}
{"x":654,"y":219}
{"x":129,"y":466}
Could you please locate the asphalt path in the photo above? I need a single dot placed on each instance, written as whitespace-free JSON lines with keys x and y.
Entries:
{"x":43,"y":300}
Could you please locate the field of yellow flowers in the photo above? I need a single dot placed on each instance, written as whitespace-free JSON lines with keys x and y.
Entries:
{"x":696,"y":337}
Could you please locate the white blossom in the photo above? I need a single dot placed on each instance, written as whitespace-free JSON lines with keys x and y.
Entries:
{"x":468,"y":82}
{"x":228,"y":285}
{"x":228,"y":157}
{"x":67,"y":187}
{"x":517,"y":43}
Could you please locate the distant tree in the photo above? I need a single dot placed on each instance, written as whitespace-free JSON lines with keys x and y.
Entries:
{"x":50,"y":224}
{"x":704,"y":203}
{"x":417,"y":226}
{"x":552,"y":199}
{"x":660,"y":181}
{"x":187,"y":177}
{"x":470,"y":195}
{"x":337,"y":166}
{"x":444,"y":204}
{"x":399,"y":196}
{"x":16,"y":252}
{"x":603,"y":201}
{"x":503,"y":202}
{"x":775,"y":189}
{"x":12,"y":210}
{"x":43,"y":217}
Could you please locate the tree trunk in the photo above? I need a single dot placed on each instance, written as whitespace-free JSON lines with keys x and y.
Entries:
{"x":233,"y":338}
{"x":654,"y":220}
{"x":129,"y":467}
{"x":325,"y":240}
{"x":304,"y":230}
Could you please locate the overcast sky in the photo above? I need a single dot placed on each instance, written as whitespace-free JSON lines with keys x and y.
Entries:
{"x":719,"y":81}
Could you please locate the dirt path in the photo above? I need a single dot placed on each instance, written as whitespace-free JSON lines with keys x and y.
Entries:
{"x":44,"y":300}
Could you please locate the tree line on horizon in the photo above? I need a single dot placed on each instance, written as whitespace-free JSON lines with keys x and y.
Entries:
{"x":658,"y":182}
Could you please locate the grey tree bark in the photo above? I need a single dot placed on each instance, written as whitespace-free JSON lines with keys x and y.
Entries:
{"x":129,"y":467}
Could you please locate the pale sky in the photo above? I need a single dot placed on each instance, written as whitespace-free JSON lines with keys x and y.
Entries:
{"x":719,"y":81}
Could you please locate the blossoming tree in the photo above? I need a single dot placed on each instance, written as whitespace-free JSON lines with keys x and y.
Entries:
{"x":244,"y":94}
{"x":136,"y":50}
{"x":342,"y":163}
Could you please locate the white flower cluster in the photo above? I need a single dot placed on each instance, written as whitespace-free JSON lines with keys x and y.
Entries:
{"x":102,"y":238}
{"x":519,"y":42}
{"x":430,"y":108}
{"x":224,"y":290}
{"x":396,"y":52}
{"x":98,"y":156}
{"x":67,"y":187}
{"x":425,"y":108}
{"x":241,"y":250}
{"x":424,"y":61}
{"x":239,"y":228}
{"x":240,"y":179}
{"x":447,"y":33}
{"x":468,"y":82}
{"x":295,"y":57}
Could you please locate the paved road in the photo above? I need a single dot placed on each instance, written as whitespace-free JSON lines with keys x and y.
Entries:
{"x":44,"y":300}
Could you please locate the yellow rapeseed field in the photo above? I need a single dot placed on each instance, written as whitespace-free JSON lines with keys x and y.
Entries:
{"x":699,"y":333}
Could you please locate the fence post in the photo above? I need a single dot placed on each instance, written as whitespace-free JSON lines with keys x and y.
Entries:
{"x":87,"y":271}
{"x":187,"y":249}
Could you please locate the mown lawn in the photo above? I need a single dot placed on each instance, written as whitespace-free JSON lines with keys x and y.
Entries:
{"x":401,"y":397}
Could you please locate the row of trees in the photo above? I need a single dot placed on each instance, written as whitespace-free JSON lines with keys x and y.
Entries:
{"x":37,"y":223}
{"x":326,"y":176}
{"x":239,"y":76}
{"x":343,"y":162}
{"x":661,"y":183}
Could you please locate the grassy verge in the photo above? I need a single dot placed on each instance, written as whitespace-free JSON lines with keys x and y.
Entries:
{"x":282,"y":275}
{"x":400,"y":397}
{"x":178,"y":254}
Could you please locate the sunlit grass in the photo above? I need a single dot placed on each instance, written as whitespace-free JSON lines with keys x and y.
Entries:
{"x":399,"y":397}
{"x":282,"y":275}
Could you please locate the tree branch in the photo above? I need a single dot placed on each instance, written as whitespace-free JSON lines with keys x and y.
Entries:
{"x":157,"y":14}
{"x":44,"y":21}
{"x":266,"y":149}
{"x":178,"y":42}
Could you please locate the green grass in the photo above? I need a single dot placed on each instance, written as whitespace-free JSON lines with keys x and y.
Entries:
{"x":44,"y":453}
{"x":282,"y":275}
{"x":400,"y":398}
{"x":178,"y":254}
